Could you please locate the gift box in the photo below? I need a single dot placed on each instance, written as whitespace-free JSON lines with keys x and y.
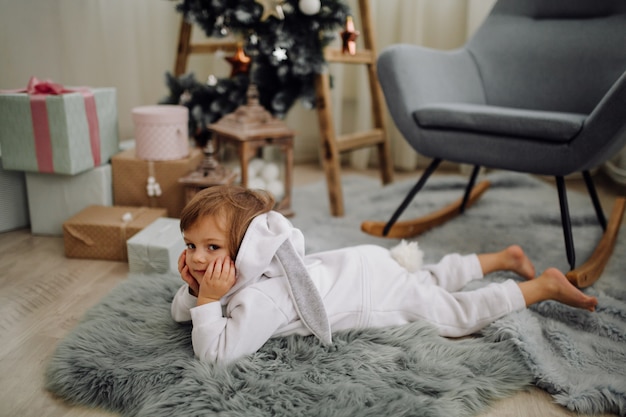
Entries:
{"x":156,"y":248}
{"x":52,"y":129}
{"x":101,"y":232}
{"x":13,"y":200}
{"x":137,"y":182}
{"x":161,"y":132}
{"x":54,"y":198}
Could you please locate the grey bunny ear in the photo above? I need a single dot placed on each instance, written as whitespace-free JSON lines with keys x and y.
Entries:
{"x":305,"y":295}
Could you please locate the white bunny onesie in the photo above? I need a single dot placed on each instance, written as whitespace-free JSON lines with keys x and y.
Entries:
{"x":354,"y":287}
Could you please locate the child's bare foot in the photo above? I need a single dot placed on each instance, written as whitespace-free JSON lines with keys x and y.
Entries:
{"x":512,"y":258}
{"x":558,"y":288}
{"x":518,"y":262}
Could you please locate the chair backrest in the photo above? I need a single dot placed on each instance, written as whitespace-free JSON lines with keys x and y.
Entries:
{"x":557,"y":55}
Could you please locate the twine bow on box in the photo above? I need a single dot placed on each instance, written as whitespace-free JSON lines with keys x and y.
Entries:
{"x":153,"y":188}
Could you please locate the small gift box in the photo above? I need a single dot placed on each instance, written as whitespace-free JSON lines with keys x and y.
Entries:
{"x":53,"y":198}
{"x":13,"y":200}
{"x":161,"y":132}
{"x":137,"y":182}
{"x":100,"y":232}
{"x":156,"y":248}
{"x":52,"y":129}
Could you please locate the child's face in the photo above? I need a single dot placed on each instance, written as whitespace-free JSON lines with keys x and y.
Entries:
{"x":206,"y":241}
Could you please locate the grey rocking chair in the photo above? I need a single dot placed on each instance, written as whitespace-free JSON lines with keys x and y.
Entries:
{"x":540,"y":88}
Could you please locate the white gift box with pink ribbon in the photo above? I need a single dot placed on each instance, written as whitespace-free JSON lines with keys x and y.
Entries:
{"x":49,"y":128}
{"x":161,"y":132}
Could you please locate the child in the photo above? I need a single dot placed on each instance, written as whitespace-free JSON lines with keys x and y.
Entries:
{"x":247,"y":279}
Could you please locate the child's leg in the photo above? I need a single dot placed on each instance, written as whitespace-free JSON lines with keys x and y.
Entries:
{"x":406,"y":299}
{"x":553,"y":285}
{"x":512,"y":258}
{"x":452,"y":272}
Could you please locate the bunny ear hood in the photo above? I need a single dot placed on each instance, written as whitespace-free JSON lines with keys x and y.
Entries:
{"x":264,"y":236}
{"x":270,"y":242}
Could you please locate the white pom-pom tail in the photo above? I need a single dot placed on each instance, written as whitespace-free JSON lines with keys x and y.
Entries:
{"x":408,"y":254}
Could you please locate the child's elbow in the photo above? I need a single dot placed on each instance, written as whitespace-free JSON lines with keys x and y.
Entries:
{"x":214,"y":357}
{"x":180,"y":318}
{"x":457,"y":332}
{"x":216,"y":352}
{"x":179,"y":315}
{"x":182,"y":304}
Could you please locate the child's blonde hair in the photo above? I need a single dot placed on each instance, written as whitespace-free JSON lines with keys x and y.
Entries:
{"x":236,"y":205}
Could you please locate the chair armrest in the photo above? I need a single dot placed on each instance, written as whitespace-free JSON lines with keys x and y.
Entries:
{"x":604,"y":132}
{"x":556,"y":127}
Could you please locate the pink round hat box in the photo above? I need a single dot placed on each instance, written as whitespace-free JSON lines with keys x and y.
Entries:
{"x":161,"y":132}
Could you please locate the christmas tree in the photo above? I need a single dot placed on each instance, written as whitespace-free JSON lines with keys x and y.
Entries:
{"x":282,"y":51}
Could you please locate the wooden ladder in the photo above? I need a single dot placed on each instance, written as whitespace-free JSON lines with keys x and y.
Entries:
{"x":186,"y":47}
{"x":332,"y":144}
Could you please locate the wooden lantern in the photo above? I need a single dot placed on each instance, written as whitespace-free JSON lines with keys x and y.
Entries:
{"x":209,"y":173}
{"x":249,"y":129}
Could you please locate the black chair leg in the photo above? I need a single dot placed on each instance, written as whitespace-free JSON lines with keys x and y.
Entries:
{"x":594,"y":198}
{"x":420,"y":183}
{"x":566,"y":222}
{"x":468,"y":189}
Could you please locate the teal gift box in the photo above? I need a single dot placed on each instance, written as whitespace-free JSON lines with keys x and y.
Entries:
{"x":13,"y":200}
{"x":50,"y":129}
{"x":54,"y":198}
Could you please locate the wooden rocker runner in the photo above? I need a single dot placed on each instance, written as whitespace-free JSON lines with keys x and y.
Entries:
{"x":583,"y":276}
{"x":590,"y":271}
{"x":415,"y":227}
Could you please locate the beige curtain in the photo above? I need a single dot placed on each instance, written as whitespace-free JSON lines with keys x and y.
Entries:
{"x":126,"y":44}
{"x":130,"y":44}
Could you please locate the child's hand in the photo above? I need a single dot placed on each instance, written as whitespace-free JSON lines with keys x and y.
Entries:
{"x":183,"y":269}
{"x":218,"y":279}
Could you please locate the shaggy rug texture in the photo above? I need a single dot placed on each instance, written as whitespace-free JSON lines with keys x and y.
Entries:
{"x":578,"y":357}
{"x":128,"y":356}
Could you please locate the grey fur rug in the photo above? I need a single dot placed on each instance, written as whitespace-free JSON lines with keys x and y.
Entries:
{"x":128,"y":356}
{"x":578,"y":357}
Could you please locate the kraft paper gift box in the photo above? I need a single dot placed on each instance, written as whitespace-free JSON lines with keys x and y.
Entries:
{"x":131,"y":177}
{"x":156,"y":248}
{"x":52,"y":129}
{"x":101,"y":232}
{"x":54,"y":198}
{"x":13,"y":200}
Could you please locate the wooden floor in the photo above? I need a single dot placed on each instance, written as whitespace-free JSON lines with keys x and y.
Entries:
{"x":43,"y":295}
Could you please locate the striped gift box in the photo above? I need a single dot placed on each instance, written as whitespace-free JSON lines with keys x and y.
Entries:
{"x":65,"y":133}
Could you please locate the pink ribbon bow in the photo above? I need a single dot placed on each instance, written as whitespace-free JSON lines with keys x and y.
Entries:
{"x":36,"y":86}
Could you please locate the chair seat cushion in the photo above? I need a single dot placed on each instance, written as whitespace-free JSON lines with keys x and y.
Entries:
{"x":543,"y":125}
